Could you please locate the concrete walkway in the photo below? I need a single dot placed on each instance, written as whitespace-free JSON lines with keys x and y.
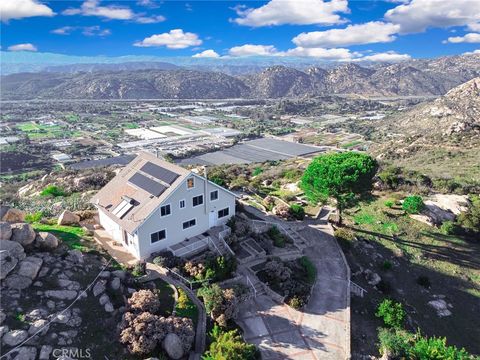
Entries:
{"x":322,"y":329}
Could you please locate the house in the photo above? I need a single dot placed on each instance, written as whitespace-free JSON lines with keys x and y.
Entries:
{"x":152,"y":205}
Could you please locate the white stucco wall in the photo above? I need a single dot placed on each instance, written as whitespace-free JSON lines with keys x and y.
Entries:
{"x":116,"y":233}
{"x":173,"y":223}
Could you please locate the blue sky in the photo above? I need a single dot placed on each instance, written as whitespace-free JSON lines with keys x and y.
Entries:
{"x":337,"y":30}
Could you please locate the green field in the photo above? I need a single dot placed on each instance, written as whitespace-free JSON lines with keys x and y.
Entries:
{"x":38,"y":131}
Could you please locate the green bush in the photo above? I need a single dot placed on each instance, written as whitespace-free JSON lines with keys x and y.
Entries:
{"x":277,"y":237}
{"x":448,"y":228}
{"x":397,"y":343}
{"x":390,"y":177}
{"x":310,"y":269}
{"x":389,"y":203}
{"x":229,"y":345}
{"x":53,"y":191}
{"x":392,"y":313}
{"x":297,"y":211}
{"x":436,"y":349}
{"x":139,"y":269}
{"x":470,"y":220}
{"x":345,"y":238}
{"x":413,"y":204}
{"x":257,"y":171}
{"x":34,"y":217}
{"x":296,"y":302}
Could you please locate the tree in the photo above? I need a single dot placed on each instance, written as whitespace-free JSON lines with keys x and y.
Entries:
{"x":470,"y":220}
{"x":392,"y":313}
{"x":229,"y":345}
{"x":413,"y":204}
{"x":338,"y":175}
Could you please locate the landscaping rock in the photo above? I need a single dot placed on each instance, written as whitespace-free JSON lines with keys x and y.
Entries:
{"x":37,"y":326}
{"x":104,"y":299}
{"x":75,"y":256}
{"x":109,"y":307}
{"x":14,"y":337}
{"x":14,"y":216}
{"x":104,"y":274}
{"x":3,"y":330}
{"x":172,"y":344}
{"x":46,"y":241}
{"x":61,"y":294}
{"x":24,"y":353}
{"x":115,"y":284}
{"x":441,"y":307}
{"x":29,"y":267}
{"x":18,"y":282}
{"x":120,"y":274}
{"x":11,"y":253}
{"x":68,"y":218}
{"x":372,"y":277}
{"x":45,"y":352}
{"x":99,"y":287}
{"x":23,"y":234}
{"x":5,"y":231}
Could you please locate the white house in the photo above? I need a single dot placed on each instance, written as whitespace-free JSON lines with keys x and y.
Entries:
{"x":152,"y":205}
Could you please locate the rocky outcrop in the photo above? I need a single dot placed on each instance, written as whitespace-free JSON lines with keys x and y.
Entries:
{"x":46,"y":241}
{"x":11,"y":253}
{"x":29,"y":267}
{"x":14,"y":215}
{"x":5,"y":231}
{"x":68,"y":218}
{"x":23,"y":234}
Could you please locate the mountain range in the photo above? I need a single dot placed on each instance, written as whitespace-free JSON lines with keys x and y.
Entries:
{"x":167,"y":81}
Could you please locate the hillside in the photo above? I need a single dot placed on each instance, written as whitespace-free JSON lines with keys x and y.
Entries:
{"x":410,"y":78}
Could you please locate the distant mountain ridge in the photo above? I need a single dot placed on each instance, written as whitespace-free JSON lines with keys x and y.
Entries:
{"x":415,"y":77}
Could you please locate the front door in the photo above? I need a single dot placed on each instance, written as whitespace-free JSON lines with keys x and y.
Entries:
{"x":211,"y":219}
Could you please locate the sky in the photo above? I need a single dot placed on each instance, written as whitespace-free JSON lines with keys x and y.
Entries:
{"x":331,"y":30}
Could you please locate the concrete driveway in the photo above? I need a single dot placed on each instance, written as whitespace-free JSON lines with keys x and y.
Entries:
{"x":322,"y":329}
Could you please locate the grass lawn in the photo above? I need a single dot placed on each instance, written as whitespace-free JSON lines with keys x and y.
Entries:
{"x":36,"y":131}
{"x":415,"y":250}
{"x":73,"y":236}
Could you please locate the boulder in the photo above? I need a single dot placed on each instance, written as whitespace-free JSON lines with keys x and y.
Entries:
{"x":172,"y":344}
{"x":120,"y":274}
{"x":14,"y":337}
{"x":23,"y":233}
{"x":29,"y":267}
{"x":18,"y":282}
{"x":372,"y":277}
{"x":109,"y":307}
{"x":115,"y":284}
{"x":3,"y":210}
{"x":68,"y":218}
{"x":5,"y":231}
{"x":3,"y":330}
{"x":99,"y":287}
{"x":104,"y":299}
{"x":61,"y":294}
{"x":45,"y":352}
{"x":75,"y":256}
{"x":38,"y":326}
{"x":441,"y":307}
{"x":14,"y":216}
{"x":24,"y":353}
{"x":46,"y":241}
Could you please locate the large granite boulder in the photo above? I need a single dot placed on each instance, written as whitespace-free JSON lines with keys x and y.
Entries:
{"x":11,"y":253}
{"x":23,"y":233}
{"x":30,"y":266}
{"x":14,"y":216}
{"x":17,"y":282}
{"x":46,"y":241}
{"x":14,"y":337}
{"x":5,"y":231}
{"x":24,"y":353}
{"x":172,"y":344}
{"x":68,"y":218}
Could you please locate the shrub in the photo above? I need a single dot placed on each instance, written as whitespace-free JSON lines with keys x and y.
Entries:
{"x":220,"y":304}
{"x":448,"y":228}
{"x":229,"y":345}
{"x":34,"y":217}
{"x":296,"y":302}
{"x":413,"y":204}
{"x":297,"y":211}
{"x":167,"y":259}
{"x":52,"y":191}
{"x":144,"y":300}
{"x":470,"y":219}
{"x":424,"y":281}
{"x":395,"y":342}
{"x":277,"y":237}
{"x":257,"y":171}
{"x":386,"y":265}
{"x":389,"y":203}
{"x":310,"y":269}
{"x":345,"y":238}
{"x":436,"y":348}
{"x":139,"y":269}
{"x":183,"y":300}
{"x":142,"y":333}
{"x":392,"y":313}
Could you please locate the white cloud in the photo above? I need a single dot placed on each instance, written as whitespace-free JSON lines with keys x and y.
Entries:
{"x":23,"y":47}
{"x":418,"y":15}
{"x":207,"y":54}
{"x":253,"y":50}
{"x":18,"y":9}
{"x":64,"y":30}
{"x":86,"y":30}
{"x":114,"y":12}
{"x":321,"y":53}
{"x":371,"y":32}
{"x":467,"y":38}
{"x":474,"y":52}
{"x":474,"y":27}
{"x":175,"y":39}
{"x":299,"y":12}
{"x":389,"y":56}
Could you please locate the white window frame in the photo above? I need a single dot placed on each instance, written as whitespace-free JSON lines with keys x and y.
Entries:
{"x":186,"y":183}
{"x":164,"y":216}
{"x":218,"y":195}
{"x":156,"y":242}
{"x":203,"y":200}
{"x":221,"y":217}
{"x":184,"y":204}
{"x":194,"y":219}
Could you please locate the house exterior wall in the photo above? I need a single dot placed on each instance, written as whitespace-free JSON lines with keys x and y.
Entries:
{"x":173,"y":223}
{"x":116,"y":232}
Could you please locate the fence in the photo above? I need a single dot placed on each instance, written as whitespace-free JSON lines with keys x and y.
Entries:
{"x":222,"y":235}
{"x":357,"y":289}
{"x":190,"y":248}
{"x":189,"y":283}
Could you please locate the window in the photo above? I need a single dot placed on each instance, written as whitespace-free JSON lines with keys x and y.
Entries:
{"x":190,"y":183}
{"x":159,"y":235}
{"x":222,"y":213}
{"x":165,"y":210}
{"x":182,"y":204}
{"x":197,"y":200}
{"x":189,"y":224}
{"x":214,"y":195}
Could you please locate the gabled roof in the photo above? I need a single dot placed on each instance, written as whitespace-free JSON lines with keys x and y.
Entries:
{"x":144,"y":183}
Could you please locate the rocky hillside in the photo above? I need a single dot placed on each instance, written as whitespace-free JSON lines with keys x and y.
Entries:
{"x":415,"y":77}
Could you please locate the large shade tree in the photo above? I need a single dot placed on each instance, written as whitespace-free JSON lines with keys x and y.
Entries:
{"x":340,"y":176}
